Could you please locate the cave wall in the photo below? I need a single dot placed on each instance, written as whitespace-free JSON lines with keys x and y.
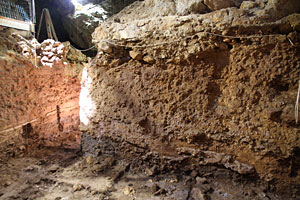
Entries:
{"x":45,"y":97}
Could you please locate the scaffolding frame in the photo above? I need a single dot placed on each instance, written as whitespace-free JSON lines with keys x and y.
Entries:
{"x":10,"y":20}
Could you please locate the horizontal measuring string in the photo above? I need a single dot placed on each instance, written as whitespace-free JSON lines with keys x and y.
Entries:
{"x":115,"y":43}
{"x":83,"y":49}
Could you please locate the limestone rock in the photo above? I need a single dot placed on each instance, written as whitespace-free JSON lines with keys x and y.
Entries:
{"x":210,"y":157}
{"x":281,"y":8}
{"x":184,"y":7}
{"x":75,"y":55}
{"x":161,"y":8}
{"x":220,"y":4}
{"x":248,"y":5}
{"x":149,"y":59}
{"x":105,"y":47}
{"x":197,"y":193}
{"x":136,"y":55}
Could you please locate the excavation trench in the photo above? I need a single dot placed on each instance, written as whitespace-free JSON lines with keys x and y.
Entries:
{"x":176,"y":106}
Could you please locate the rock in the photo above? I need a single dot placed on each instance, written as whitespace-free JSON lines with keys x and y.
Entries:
{"x":210,"y":157}
{"x":194,"y":173}
{"x":149,"y":59}
{"x":294,"y":21}
{"x":154,"y":188}
{"x":150,"y":172}
{"x":201,"y":180}
{"x":53,"y":168}
{"x":162,"y":8}
{"x":105,"y":47}
{"x":89,"y":160}
{"x":128,"y":190}
{"x":281,"y":8}
{"x":198,"y":194}
{"x":223,"y":46}
{"x":75,"y":55}
{"x":7,"y":183}
{"x":246,"y":5}
{"x":78,"y":187}
{"x":184,"y":7}
{"x":136,"y":55}
{"x":160,"y":191}
{"x":31,"y":168}
{"x":220,"y":4}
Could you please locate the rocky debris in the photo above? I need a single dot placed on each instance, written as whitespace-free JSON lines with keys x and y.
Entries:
{"x":228,"y":162}
{"x":210,"y":157}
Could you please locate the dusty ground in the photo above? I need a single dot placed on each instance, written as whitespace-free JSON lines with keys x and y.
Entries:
{"x":65,"y":174}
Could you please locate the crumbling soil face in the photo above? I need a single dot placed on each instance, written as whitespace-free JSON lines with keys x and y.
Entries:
{"x":39,"y":105}
{"x":200,"y":92}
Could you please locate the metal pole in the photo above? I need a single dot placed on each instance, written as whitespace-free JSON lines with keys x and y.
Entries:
{"x":33,"y":11}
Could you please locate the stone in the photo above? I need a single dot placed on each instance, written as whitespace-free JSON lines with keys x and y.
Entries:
{"x":282,"y":8}
{"x":294,"y":21}
{"x":136,"y":55}
{"x":210,"y":157}
{"x":128,"y":190}
{"x":105,"y":47}
{"x":78,"y":187}
{"x":154,"y":188}
{"x":220,"y":4}
{"x":150,"y":171}
{"x":246,"y":5}
{"x":184,"y":7}
{"x":149,"y":59}
{"x":201,"y":180}
{"x":198,"y":194}
{"x":75,"y":55}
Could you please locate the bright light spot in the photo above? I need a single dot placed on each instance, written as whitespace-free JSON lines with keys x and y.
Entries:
{"x":91,"y":10}
{"x":87,"y":106}
{"x":74,"y":2}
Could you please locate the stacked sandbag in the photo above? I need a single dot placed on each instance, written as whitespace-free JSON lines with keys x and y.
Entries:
{"x":48,"y":52}
{"x":51,"y":52}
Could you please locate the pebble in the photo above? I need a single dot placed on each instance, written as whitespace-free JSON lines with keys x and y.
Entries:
{"x":201,"y":180}
{"x":78,"y":187}
{"x":129,"y":190}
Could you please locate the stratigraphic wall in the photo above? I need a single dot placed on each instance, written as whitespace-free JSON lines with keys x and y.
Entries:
{"x":47,"y":98}
{"x":202,"y":87}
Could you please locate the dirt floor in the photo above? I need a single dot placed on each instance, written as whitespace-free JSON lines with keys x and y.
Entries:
{"x":66,"y":174}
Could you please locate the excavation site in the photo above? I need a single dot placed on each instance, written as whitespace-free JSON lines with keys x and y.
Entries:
{"x":149,"y":100}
